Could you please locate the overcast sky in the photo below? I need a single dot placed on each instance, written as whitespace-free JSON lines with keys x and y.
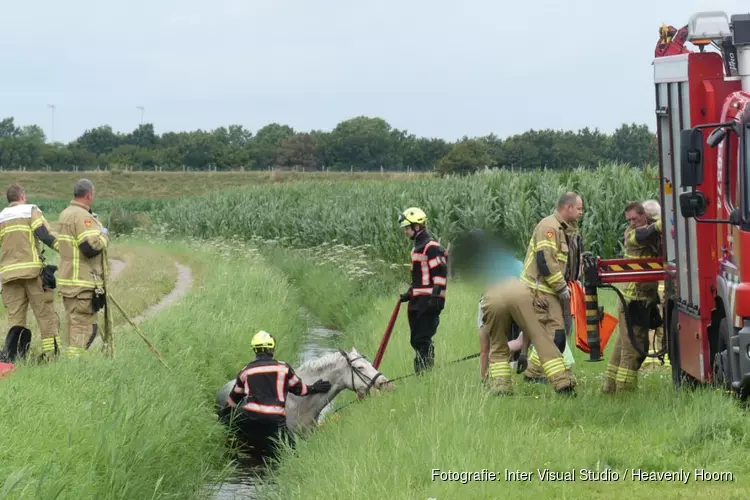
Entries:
{"x":435,"y":68}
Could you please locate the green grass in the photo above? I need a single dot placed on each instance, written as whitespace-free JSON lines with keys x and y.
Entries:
{"x":149,"y":274}
{"x":118,"y":184}
{"x":506,"y":202}
{"x":387,"y":446}
{"x":129,"y":428}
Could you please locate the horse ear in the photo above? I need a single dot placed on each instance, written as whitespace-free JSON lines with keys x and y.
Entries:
{"x":354,"y":351}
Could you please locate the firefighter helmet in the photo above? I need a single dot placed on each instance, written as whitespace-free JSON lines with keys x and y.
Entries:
{"x":262,"y":341}
{"x":411,"y":216}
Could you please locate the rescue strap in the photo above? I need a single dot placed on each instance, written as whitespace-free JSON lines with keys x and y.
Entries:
{"x":465,"y":358}
{"x":631,"y":335}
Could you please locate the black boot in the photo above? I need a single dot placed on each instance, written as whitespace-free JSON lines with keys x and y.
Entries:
{"x":17,"y":343}
{"x":567,"y":391}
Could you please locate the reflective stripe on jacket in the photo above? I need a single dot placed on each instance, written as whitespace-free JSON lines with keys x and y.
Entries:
{"x":261,"y":388}
{"x":23,"y":233}
{"x":81,"y":243}
{"x":546,"y":256}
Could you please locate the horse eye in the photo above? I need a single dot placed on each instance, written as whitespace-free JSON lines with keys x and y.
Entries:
{"x":361,"y":368}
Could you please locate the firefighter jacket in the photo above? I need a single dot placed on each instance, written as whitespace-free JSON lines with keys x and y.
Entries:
{"x":429,"y":267}
{"x":546,"y":266}
{"x":261,"y":388}
{"x":23,"y":233}
{"x":80,"y":243}
{"x":642,"y":243}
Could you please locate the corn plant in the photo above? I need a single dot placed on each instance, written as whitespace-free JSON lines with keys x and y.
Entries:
{"x":507,"y":203}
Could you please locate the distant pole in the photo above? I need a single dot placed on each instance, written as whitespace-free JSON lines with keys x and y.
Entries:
{"x":52,"y":136}
{"x":141,"y":108}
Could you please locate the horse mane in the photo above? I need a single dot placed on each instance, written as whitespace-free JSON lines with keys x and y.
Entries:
{"x":317,"y":364}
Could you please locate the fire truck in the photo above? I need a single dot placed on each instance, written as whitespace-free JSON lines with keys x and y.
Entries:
{"x":702,"y":103}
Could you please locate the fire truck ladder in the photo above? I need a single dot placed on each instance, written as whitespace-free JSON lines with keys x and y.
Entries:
{"x":604,"y":273}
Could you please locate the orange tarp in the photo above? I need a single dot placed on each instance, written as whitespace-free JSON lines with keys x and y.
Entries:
{"x":607,"y":324}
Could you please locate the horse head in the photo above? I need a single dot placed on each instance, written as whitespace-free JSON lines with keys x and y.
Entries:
{"x":363,"y":377}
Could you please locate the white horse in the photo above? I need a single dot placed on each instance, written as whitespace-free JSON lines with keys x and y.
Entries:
{"x":343,"y":370}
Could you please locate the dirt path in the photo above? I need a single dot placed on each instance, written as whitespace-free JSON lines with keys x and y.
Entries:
{"x":183,"y":284}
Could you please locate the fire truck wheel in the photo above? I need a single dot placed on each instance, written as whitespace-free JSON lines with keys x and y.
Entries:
{"x":722,"y":367}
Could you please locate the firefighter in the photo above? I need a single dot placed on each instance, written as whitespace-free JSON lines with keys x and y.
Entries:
{"x":504,"y":305}
{"x":641,"y":300}
{"x":553,"y":257}
{"x":426,"y":295}
{"x":256,"y":406}
{"x":656,"y":337}
{"x":26,"y":280}
{"x":82,"y":242}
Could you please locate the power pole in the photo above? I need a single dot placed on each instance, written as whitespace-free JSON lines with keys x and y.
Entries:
{"x":141,"y":108}
{"x":52,"y":136}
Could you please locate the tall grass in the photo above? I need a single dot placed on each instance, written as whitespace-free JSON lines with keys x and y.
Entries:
{"x":388,"y":445}
{"x":506,"y":202}
{"x":128,"y":428}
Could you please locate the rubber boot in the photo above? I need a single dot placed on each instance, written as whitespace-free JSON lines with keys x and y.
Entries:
{"x":17,"y":342}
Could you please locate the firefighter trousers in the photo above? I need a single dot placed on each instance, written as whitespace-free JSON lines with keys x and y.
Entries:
{"x":81,"y":322}
{"x":625,"y":361}
{"x":18,"y":295}
{"x":549,"y":314}
{"x":423,"y":323}
{"x":518,"y":305}
{"x":262,"y":433}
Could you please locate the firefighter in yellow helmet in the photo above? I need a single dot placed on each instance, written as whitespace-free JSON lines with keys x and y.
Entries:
{"x":82,"y":242}
{"x":429,"y":280}
{"x":256,"y":406}
{"x":502,"y":306}
{"x":641,"y":299}
{"x":553,"y":258}
{"x":26,"y":280}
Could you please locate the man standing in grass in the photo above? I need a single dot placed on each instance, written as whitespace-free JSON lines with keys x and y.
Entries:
{"x":82,"y":241}
{"x":641,"y":241}
{"x":426,"y":295}
{"x":553,"y":258}
{"x":502,"y":305}
{"x":25,"y":279}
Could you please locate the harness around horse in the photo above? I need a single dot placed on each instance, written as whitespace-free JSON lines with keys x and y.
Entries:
{"x":369,"y":382}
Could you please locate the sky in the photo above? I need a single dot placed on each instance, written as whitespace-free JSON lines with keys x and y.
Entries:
{"x":433,"y":68}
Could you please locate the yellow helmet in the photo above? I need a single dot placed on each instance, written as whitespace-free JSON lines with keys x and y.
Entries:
{"x":262,"y":340}
{"x":411,"y":216}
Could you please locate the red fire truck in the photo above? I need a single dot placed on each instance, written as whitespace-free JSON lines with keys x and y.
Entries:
{"x":702,"y":101}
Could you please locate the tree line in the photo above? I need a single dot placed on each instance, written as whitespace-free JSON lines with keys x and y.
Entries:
{"x":358,"y":144}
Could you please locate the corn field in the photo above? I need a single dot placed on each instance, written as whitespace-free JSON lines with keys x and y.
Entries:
{"x":365,"y":213}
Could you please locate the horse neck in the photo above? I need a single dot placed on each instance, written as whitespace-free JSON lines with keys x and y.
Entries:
{"x":309,"y":407}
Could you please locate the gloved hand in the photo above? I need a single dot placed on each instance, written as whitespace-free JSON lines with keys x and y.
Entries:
{"x":522,"y":363}
{"x":320,"y":386}
{"x":564,"y":294}
{"x":406,"y":296}
{"x":105,"y":232}
{"x":48,"y":277}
